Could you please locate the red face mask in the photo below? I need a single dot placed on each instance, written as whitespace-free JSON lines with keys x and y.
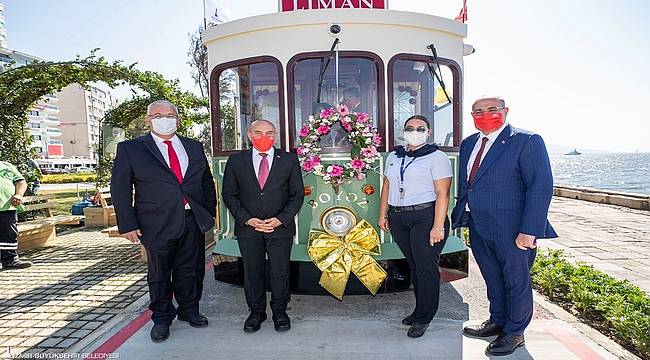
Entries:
{"x":263,"y":143}
{"x":488,"y":121}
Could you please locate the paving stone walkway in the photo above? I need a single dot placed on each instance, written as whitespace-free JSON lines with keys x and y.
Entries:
{"x":80,"y":281}
{"x":614,"y":239}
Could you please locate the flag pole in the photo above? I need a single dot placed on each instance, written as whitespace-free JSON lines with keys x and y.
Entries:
{"x":205,"y":22}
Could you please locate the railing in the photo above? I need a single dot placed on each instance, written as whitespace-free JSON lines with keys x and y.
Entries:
{"x":634,"y":201}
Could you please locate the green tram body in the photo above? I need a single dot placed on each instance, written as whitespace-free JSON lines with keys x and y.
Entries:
{"x":304,"y":277}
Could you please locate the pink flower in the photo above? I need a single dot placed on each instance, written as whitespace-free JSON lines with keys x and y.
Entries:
{"x":361,"y":176}
{"x":307,"y":166}
{"x":346,"y":125}
{"x":334,"y":170}
{"x":357,"y":164}
{"x":315,"y":161}
{"x":326,"y":113}
{"x":376,"y":139}
{"x":369,"y":152}
{"x":304,"y":131}
{"x":343,"y":110}
{"x":323,"y":129}
{"x":300,"y":151}
{"x":362,"y":117}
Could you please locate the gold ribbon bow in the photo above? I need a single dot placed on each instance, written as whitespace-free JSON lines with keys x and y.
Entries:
{"x":336,"y":257}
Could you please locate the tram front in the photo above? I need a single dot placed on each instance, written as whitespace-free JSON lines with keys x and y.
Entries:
{"x":316,"y":74}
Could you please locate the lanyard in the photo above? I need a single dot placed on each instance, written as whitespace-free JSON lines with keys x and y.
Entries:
{"x":402,"y":170}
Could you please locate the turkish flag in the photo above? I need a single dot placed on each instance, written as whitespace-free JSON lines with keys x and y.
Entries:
{"x":462,"y":16}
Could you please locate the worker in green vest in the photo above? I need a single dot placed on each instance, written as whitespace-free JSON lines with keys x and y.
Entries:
{"x":12,"y":189}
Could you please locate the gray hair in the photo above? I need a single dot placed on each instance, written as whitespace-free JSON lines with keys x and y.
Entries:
{"x":502,"y":102}
{"x":161,"y":102}
{"x":260,"y":121}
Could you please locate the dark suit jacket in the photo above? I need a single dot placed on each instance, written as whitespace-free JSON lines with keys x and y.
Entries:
{"x":512,"y":190}
{"x":281,"y":197}
{"x":158,"y":210}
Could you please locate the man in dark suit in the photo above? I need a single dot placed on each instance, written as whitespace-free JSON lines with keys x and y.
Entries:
{"x":263,"y":189}
{"x":175,"y":204}
{"x":505,"y":186}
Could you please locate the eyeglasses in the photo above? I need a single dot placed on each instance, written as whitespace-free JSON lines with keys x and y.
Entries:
{"x":419,"y":129}
{"x":488,"y":110}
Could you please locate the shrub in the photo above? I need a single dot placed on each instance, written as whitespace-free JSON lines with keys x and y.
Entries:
{"x":68,"y":178}
{"x":616,"y":305}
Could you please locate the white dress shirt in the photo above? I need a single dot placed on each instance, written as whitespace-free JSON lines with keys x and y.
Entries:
{"x":183,"y":159}
{"x":418,"y":186}
{"x":257,"y":159}
{"x":492,"y":137}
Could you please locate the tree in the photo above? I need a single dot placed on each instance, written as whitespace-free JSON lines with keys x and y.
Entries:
{"x":22,"y":86}
{"x":198,"y":62}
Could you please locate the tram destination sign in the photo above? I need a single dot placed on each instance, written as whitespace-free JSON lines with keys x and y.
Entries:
{"x":293,"y":5}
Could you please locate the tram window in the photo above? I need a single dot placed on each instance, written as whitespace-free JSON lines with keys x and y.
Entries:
{"x":357,"y":88}
{"x":247,"y":93}
{"x":416,"y":93}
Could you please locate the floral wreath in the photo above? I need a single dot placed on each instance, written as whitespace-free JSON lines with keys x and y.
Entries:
{"x":363,"y":137}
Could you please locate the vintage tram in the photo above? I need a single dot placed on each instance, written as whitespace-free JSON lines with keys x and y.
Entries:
{"x":286,"y":66}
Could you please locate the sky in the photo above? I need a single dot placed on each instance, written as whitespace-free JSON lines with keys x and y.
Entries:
{"x":573,"y":71}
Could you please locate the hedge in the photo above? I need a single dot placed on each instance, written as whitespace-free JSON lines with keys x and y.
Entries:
{"x":614,"y":306}
{"x":68,"y":178}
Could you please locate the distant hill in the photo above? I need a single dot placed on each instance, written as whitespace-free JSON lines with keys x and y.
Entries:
{"x":562,"y":149}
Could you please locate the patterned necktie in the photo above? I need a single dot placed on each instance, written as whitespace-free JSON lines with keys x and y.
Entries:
{"x":477,"y":161}
{"x":263,"y":171}
{"x":174,"y":163}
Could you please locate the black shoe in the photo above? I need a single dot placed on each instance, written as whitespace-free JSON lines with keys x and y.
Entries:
{"x":505,"y":344}
{"x":408,"y":321}
{"x":486,"y":329}
{"x":196,"y":320}
{"x":159,"y":332}
{"x":281,"y":321}
{"x":254,"y":322}
{"x":417,"y":329}
{"x":16,"y":264}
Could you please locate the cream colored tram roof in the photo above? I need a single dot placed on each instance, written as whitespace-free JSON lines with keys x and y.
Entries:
{"x":381,"y":31}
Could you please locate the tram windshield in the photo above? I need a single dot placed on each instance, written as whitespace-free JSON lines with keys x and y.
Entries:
{"x":415,"y":91}
{"x":356,"y":88}
{"x":247,"y":93}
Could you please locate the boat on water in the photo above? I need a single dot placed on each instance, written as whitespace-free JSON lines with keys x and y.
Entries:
{"x":574,"y":152}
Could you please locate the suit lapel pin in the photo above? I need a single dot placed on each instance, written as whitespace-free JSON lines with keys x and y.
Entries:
{"x":503,"y":141}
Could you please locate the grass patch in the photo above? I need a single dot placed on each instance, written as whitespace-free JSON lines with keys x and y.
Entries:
{"x":617,"y":308}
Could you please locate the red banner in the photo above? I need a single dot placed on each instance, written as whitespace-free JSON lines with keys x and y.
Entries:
{"x":54,"y":150}
{"x":292,"y":5}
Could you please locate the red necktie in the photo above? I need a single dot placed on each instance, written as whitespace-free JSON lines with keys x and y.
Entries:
{"x":477,"y":161}
{"x":174,"y":163}
{"x":263,"y":171}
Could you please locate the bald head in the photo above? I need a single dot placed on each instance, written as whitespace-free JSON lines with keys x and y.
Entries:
{"x":490,"y":100}
{"x":261,"y":128}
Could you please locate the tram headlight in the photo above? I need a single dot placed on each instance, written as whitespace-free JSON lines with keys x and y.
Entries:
{"x":338,"y":221}
{"x":335,"y":29}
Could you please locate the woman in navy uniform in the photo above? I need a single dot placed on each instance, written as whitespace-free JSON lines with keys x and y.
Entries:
{"x":413,"y":207}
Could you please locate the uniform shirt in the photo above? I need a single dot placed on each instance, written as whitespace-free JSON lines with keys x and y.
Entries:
{"x":180,"y":152}
{"x":492,"y":137}
{"x":418,"y":177}
{"x":257,"y":159}
{"x":9,"y":175}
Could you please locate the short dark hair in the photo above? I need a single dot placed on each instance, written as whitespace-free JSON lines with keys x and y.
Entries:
{"x":418,"y":117}
{"x":353,"y":92}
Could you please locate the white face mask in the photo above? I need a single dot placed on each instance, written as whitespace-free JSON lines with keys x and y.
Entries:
{"x":415,"y":138}
{"x":164,"y":126}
